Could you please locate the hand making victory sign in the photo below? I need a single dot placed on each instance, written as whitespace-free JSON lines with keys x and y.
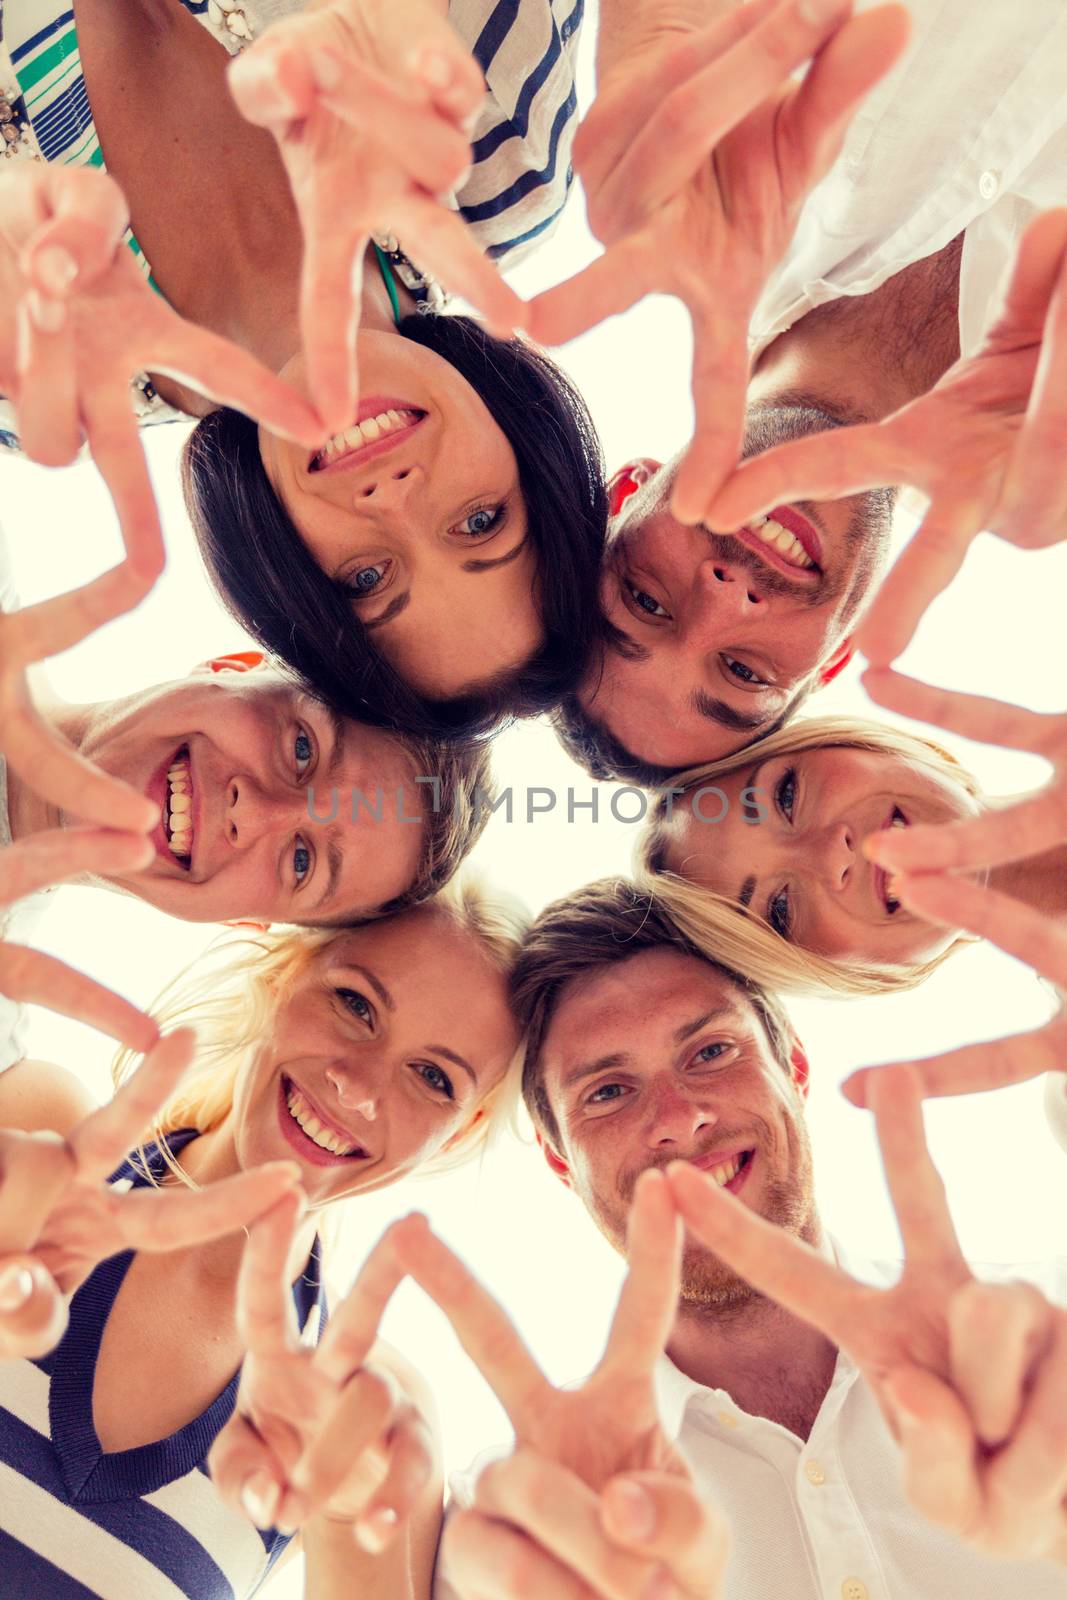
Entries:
{"x":594,"y":1503}
{"x":321,"y":1433}
{"x":59,"y":1218}
{"x":971,"y":1377}
{"x":80,"y":321}
{"x":985,"y":444}
{"x":370,"y":105}
{"x":696,"y":158}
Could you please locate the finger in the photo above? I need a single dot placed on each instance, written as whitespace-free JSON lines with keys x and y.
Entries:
{"x":47,"y":401}
{"x":611,"y":284}
{"x":412,"y":1469}
{"x":765,"y":1256}
{"x":55,"y":772}
{"x":353,"y":1328}
{"x":972,"y":716}
{"x":648,"y":1303}
{"x":245,"y":1472}
{"x":926,"y":566}
{"x":35,"y":1170}
{"x":446,"y":247}
{"x":178,"y":1219}
{"x":362,"y":1415}
{"x":232,"y":377}
{"x":427,"y":147}
{"x":823,"y":466}
{"x":997,"y":1333}
{"x":663,"y":1518}
{"x":993,"y":1064}
{"x":54,"y":856}
{"x":720,"y":381}
{"x":331,"y":288}
{"x":51,"y":626}
{"x":1012,"y":833}
{"x":443,"y":66}
{"x":33,"y":1312}
{"x":266,"y":1319}
{"x":35,"y":979}
{"x":77,"y":244}
{"x":561,"y":1515}
{"x":104,"y":1138}
{"x":939,"y":1449}
{"x":481,"y":1324}
{"x":1028,"y":935}
{"x":115,"y":445}
{"x":487,"y":1560}
{"x":918,"y":1194}
{"x":1031,"y":1470}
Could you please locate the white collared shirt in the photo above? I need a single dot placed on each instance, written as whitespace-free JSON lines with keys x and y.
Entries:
{"x":967,"y":132}
{"x":826,"y":1519}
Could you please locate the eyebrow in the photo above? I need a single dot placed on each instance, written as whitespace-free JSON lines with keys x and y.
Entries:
{"x":393,"y":609}
{"x":719,"y":711}
{"x":335,"y":858}
{"x":589,"y":1070}
{"x":478,"y":565}
{"x":376,"y":984}
{"x":450,"y":1055}
{"x":748,"y":889}
{"x":688,"y":1029}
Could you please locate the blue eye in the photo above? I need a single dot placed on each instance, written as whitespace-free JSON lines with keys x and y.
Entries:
{"x":303,"y":751}
{"x":779,"y":914}
{"x":301,"y":862}
{"x":482,"y":521}
{"x":785,"y":793}
{"x":605,"y":1090}
{"x":365,"y":581}
{"x":357,"y":1003}
{"x":437,"y":1078}
{"x":710,"y":1052}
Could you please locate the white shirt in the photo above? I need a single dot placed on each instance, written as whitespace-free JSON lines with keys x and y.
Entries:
{"x":967,"y":132}
{"x":827,"y":1519}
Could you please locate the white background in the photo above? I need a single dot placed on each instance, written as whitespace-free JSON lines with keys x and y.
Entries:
{"x":998,"y":631}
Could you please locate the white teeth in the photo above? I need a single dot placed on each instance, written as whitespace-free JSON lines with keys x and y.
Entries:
{"x":726,"y":1173}
{"x":772,"y":533}
{"x":898,"y":822}
{"x":366,"y":432}
{"x":178,"y":808}
{"x":302,"y":1114}
{"x":891,"y":887}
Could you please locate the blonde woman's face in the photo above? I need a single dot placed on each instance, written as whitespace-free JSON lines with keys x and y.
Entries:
{"x":380,"y":1055}
{"x":785,"y":837}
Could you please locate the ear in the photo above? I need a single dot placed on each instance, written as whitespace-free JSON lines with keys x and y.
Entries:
{"x":454,"y":1139}
{"x":628,"y":479}
{"x":556,"y":1163}
{"x":837,"y":662}
{"x":800,"y":1070}
{"x":236,"y":661}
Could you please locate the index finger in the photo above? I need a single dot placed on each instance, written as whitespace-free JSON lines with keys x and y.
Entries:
{"x":925,"y":567}
{"x":720,"y":381}
{"x":353,"y":1328}
{"x":102,"y":1141}
{"x":483,"y":1327}
{"x":36,"y":979}
{"x":1028,"y":935}
{"x":1026,"y":829}
{"x":115,"y":445}
{"x":774,"y":1262}
{"x":975,"y":1068}
{"x":43,"y":859}
{"x":266,"y":1316}
{"x":972,"y":716}
{"x":918,"y":1194}
{"x":648,"y":1303}
{"x":822,"y":466}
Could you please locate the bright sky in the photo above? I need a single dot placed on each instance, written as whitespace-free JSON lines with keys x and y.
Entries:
{"x":999,"y":631}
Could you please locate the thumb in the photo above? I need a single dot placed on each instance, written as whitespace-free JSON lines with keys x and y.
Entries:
{"x":661,"y":1516}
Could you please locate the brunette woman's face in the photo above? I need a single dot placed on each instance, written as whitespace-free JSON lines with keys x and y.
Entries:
{"x":380,"y":1054}
{"x":785,"y":837}
{"x":417,"y":513}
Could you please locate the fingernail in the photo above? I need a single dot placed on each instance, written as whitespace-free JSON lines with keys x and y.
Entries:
{"x":259,"y":1496}
{"x":854,"y":1089}
{"x":374,"y":1532}
{"x":630,"y":1510}
{"x":433,"y":68}
{"x":47,"y":315}
{"x":259,"y":80}
{"x":325,"y":69}
{"x":16,"y":1287}
{"x":56,"y":268}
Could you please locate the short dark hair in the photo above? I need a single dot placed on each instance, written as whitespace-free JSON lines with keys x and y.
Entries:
{"x":271,"y":583}
{"x":601,"y":925}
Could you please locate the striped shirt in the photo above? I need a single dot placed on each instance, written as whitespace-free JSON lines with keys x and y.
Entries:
{"x":78,"y":1522}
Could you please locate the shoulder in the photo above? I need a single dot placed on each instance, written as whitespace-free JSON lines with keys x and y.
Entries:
{"x":39,"y":1094}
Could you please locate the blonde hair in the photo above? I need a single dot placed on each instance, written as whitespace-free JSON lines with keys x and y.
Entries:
{"x":755,"y":948}
{"x":231,"y":994}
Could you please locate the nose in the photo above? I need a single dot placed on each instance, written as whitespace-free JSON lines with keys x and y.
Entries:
{"x":387,"y":490}
{"x":835,"y":854}
{"x":253,"y":811}
{"x":677,"y":1117}
{"x":721,"y":590}
{"x":354,"y":1093}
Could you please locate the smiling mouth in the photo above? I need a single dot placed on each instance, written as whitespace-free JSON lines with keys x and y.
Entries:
{"x":322,"y":1142}
{"x":373,"y":434}
{"x":729,"y":1173}
{"x":886,"y":882}
{"x":784,"y":541}
{"x":177,"y":809}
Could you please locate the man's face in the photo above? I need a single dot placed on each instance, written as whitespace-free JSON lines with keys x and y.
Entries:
{"x":229,"y":756}
{"x":724,"y":630}
{"x":660,"y":1059}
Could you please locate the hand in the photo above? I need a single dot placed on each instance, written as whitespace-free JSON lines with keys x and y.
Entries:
{"x":538,"y":1525}
{"x":318,"y":1432}
{"x":697,"y":157}
{"x":81,"y":322}
{"x":369,"y":104}
{"x":59,"y":1219}
{"x":985,"y":444}
{"x":915,"y":1347}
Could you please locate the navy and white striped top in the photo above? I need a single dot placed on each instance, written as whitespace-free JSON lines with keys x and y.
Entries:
{"x":76,"y":1522}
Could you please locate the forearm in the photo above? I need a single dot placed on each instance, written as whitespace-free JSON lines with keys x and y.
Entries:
{"x":630,"y":26}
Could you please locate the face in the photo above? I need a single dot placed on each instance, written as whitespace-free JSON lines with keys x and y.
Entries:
{"x":238,"y":760}
{"x":660,"y":1059}
{"x":417,"y":513}
{"x":379,"y":1055}
{"x":789,"y":845}
{"x":722,"y":631}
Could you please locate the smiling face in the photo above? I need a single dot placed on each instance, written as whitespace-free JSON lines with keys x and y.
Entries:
{"x":230,"y":756}
{"x":797,"y":860}
{"x":724,"y":631}
{"x":380,"y":1054}
{"x":417,"y":512}
{"x":661,"y":1058}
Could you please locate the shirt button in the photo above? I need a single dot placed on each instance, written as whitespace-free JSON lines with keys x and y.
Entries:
{"x":988,"y":184}
{"x":814,"y":1473}
{"x":853,"y":1589}
{"x":728,"y":1419}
